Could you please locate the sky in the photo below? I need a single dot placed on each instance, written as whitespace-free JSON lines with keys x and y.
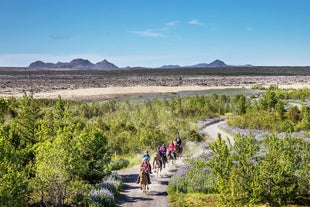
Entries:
{"x":155,"y":33}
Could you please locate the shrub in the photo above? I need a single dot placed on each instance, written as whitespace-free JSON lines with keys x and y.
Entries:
{"x":102,"y":197}
{"x":119,"y":164}
{"x":103,"y":194}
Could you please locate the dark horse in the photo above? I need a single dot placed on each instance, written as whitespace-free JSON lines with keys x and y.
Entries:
{"x":164,"y":159}
{"x":157,"y":163}
{"x":178,"y":149}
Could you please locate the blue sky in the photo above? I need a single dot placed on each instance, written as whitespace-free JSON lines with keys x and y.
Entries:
{"x":155,"y":33}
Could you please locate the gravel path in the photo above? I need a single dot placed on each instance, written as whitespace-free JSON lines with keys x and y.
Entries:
{"x":213,"y":130}
{"x":156,"y":195}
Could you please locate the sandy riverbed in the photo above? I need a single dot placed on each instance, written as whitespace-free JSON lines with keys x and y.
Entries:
{"x":114,"y":92}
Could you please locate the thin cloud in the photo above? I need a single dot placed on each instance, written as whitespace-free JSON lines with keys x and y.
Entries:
{"x":59,"y":37}
{"x":195,"y":22}
{"x":172,"y":23}
{"x":156,"y":32}
{"x":147,"y":33}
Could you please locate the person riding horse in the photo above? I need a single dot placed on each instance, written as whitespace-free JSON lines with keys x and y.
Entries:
{"x":148,"y":158}
{"x":179,"y":141}
{"x":163,"y":151}
{"x":146,"y":166}
{"x":172,"y":150}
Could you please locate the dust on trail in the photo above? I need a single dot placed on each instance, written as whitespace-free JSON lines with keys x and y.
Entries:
{"x":156,"y":195}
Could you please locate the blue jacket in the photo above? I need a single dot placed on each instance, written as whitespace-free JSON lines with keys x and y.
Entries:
{"x":147,"y":156}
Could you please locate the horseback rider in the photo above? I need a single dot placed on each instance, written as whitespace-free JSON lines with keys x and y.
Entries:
{"x":163,"y":150}
{"x":146,"y":166}
{"x":148,"y":158}
{"x":158,"y":151}
{"x":179,"y":141}
{"x":172,"y":149}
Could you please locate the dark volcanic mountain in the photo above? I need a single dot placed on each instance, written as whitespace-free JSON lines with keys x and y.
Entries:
{"x":214,"y":64}
{"x":217,"y":63}
{"x":105,"y":64}
{"x":76,"y":64}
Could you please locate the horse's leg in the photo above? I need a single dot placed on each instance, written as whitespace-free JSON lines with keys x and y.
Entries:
{"x":144,"y":189}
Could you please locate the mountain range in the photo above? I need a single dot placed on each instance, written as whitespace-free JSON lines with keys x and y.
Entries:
{"x":106,"y":65}
{"x":76,"y":64}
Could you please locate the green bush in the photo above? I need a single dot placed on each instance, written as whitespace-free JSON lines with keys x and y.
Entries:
{"x":119,"y":164}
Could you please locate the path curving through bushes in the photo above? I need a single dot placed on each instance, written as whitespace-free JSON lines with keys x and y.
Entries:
{"x":157,"y":193}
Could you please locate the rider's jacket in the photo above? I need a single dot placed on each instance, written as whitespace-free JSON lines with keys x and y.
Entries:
{"x":146,"y":166}
{"x":147,"y":156}
{"x":179,"y":141}
{"x":171,"y":147}
{"x":163,"y":150}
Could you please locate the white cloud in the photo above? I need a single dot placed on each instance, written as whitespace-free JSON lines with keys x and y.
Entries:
{"x":195,"y":22}
{"x":147,"y":33}
{"x":155,"y":32}
{"x":172,"y":23}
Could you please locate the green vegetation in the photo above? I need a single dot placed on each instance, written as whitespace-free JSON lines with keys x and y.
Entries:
{"x":56,"y":152}
{"x":273,"y":170}
{"x":274,"y":111}
{"x":61,"y":153}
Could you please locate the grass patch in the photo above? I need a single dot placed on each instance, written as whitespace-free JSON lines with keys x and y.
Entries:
{"x":134,"y":159}
{"x":192,"y":200}
{"x":210,"y":200}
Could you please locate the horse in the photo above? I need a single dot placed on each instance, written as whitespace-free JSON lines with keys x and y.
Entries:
{"x":169,"y":156}
{"x":143,"y":181}
{"x":178,"y":149}
{"x":157,"y":163}
{"x":164,"y":159}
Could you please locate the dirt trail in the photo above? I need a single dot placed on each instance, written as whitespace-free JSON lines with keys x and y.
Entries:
{"x":156,"y":195}
{"x":213,"y":130}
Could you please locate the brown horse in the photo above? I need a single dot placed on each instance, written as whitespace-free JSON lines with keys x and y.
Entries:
{"x":157,"y":163}
{"x":169,"y":156}
{"x":178,"y":149}
{"x":143,"y":181}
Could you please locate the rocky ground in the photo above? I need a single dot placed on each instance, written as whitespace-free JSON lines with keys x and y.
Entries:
{"x":99,"y":87}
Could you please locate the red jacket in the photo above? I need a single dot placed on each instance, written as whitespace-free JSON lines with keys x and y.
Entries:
{"x":146,"y":166}
{"x":171,"y":147}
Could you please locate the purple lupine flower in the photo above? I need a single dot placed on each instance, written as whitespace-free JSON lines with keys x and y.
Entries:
{"x":102,"y":197}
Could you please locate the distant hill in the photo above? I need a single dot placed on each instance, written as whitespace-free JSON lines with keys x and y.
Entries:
{"x":214,"y":64}
{"x":76,"y":64}
{"x":80,"y":63}
{"x":170,"y":66}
